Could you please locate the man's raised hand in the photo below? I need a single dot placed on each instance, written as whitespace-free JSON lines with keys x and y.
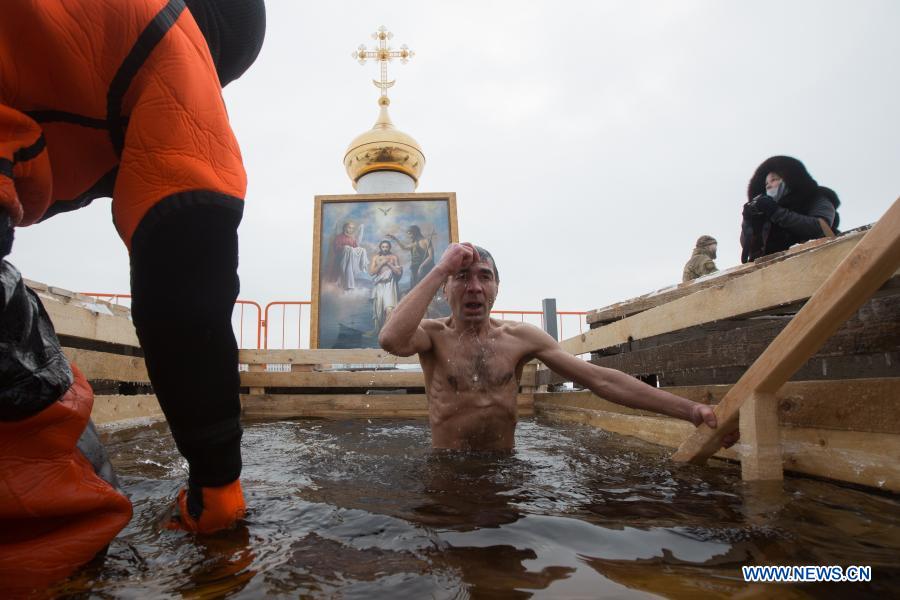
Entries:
{"x":458,"y":257}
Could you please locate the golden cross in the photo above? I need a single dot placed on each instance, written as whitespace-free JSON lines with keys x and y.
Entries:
{"x":383,"y":54}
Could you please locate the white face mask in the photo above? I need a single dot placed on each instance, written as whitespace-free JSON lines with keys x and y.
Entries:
{"x":777,"y":192}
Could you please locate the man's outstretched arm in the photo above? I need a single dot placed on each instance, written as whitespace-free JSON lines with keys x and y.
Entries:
{"x":619,"y":387}
{"x":403,"y":334}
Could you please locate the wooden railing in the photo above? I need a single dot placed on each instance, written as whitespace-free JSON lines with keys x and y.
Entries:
{"x":100,"y":338}
{"x":341,"y":383}
{"x":847,"y":429}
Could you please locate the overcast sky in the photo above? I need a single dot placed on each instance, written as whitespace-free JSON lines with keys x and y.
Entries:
{"x":589,"y":143}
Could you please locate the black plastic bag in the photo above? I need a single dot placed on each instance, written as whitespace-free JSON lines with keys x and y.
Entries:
{"x":34,"y":372}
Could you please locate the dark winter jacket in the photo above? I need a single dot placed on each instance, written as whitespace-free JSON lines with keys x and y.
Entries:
{"x":797,"y":218}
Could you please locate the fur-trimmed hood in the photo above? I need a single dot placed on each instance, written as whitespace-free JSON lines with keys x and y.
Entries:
{"x":802,"y":188}
{"x":796,"y":177}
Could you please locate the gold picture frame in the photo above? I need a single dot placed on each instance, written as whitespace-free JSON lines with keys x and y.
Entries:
{"x":347,"y":231}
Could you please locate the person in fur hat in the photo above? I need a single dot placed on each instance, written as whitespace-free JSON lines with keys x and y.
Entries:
{"x":785,"y":206}
{"x":702,"y":261}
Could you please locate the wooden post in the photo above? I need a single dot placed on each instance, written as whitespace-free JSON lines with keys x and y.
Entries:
{"x":529,"y":374}
{"x":856,"y":278}
{"x":760,"y":435}
{"x":763,"y":500}
{"x":256,"y":368}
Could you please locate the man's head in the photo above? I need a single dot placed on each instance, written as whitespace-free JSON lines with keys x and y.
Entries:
{"x":414,"y":233}
{"x":708,"y":244}
{"x":471,"y":292}
{"x":384,"y":247}
{"x":349,"y":228}
{"x":781,"y":169}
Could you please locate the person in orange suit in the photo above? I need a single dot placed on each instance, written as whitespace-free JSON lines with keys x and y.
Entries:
{"x":122,"y":99}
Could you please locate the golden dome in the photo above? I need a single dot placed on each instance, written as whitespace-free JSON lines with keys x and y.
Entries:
{"x":384,"y":148}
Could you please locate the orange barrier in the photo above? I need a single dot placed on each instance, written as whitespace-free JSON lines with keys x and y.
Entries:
{"x":259,"y":322}
{"x":113,"y":298}
{"x":559,"y":315}
{"x":581,"y":320}
{"x":521,"y":314}
{"x":240,"y":305}
{"x":264,"y":322}
{"x":284,"y":304}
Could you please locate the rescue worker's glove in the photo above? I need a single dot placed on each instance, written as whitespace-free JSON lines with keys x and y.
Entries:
{"x":765,"y":205}
{"x":208,"y":509}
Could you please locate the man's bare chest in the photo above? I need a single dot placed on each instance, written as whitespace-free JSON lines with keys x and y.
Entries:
{"x":476,"y":366}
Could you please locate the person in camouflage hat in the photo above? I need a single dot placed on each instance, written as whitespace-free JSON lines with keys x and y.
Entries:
{"x":702,"y":260}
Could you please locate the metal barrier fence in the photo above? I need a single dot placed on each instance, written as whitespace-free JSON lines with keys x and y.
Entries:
{"x":239,"y":308}
{"x":290,"y":319}
{"x":111,"y":298}
{"x":241,"y":321}
{"x":302,"y":325}
{"x":536,"y":317}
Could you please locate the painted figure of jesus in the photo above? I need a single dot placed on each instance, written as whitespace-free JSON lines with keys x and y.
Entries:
{"x":385,"y":271}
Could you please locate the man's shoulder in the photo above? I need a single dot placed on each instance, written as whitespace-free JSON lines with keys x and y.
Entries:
{"x":432,"y":325}
{"x":517,"y":329}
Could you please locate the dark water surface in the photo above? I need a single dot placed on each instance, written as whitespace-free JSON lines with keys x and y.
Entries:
{"x":364,"y":509}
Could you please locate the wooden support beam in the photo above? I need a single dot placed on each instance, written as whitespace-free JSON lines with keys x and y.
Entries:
{"x":257,"y":376}
{"x":78,"y":321}
{"x":778,"y":284}
{"x":861,"y":405}
{"x":334,"y":405}
{"x":761,"y":438}
{"x":864,"y":270}
{"x":363,"y":356}
{"x":529,"y":378}
{"x":108,"y":367}
{"x":334,"y":379}
{"x":255,"y":369}
{"x":864,"y":458}
{"x":866,"y":346}
{"x":626,"y":308}
{"x":113,"y":409}
{"x":348,"y":405}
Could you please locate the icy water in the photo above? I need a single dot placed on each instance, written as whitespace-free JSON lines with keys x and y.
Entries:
{"x":364,"y":509}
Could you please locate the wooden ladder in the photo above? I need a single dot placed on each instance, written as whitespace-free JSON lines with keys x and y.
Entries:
{"x":752,"y":399}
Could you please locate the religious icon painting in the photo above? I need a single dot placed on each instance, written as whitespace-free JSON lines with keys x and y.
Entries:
{"x":368,"y":252}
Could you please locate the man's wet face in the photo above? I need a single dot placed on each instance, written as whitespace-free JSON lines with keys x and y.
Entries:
{"x":471,"y":292}
{"x":384,"y":248}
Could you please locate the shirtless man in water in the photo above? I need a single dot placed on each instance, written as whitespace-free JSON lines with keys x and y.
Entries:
{"x":472,"y":363}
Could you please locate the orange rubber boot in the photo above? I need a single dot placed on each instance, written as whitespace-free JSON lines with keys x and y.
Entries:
{"x":208,"y":509}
